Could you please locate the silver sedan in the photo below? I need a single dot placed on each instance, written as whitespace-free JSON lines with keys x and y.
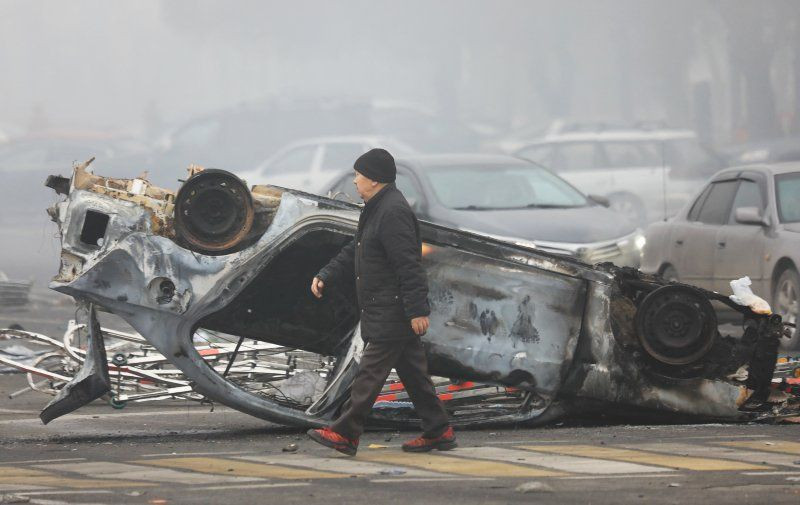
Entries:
{"x":745,"y":221}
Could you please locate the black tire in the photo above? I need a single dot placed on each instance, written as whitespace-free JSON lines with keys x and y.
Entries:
{"x":785,"y":301}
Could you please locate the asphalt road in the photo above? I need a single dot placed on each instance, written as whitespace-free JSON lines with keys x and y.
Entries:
{"x":181,"y":452}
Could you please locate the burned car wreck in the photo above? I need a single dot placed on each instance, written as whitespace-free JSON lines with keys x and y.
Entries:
{"x":555,"y":335}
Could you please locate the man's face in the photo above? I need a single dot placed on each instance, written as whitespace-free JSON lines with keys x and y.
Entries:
{"x":364,"y":186}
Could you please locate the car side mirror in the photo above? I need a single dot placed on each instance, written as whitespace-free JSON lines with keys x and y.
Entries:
{"x":750,"y":215}
{"x":600,"y":200}
{"x":413,"y":203}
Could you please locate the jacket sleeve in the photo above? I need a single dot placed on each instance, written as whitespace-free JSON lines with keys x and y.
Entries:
{"x":342,"y":266}
{"x":399,"y":237}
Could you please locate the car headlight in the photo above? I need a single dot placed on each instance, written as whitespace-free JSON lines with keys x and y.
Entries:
{"x":639,"y":241}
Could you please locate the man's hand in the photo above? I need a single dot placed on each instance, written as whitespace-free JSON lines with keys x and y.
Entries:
{"x":420,"y":325}
{"x":316,"y":288}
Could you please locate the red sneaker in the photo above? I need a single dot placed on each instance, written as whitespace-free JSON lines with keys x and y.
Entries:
{"x":443,"y":442}
{"x":331,"y":439}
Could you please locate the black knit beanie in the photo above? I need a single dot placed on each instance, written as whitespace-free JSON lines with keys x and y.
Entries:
{"x":377,"y":164}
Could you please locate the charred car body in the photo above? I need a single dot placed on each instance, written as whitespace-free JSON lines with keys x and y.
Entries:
{"x":563,"y":335}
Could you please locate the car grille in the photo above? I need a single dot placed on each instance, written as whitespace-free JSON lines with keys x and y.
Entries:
{"x":606,"y":252}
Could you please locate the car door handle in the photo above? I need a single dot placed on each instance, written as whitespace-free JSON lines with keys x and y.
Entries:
{"x":721,"y":245}
{"x":679,"y":241}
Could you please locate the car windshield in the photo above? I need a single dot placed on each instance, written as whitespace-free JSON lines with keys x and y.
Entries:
{"x":501,"y":187}
{"x":787,"y":192}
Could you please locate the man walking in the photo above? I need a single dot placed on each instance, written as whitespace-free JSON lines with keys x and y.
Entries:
{"x":385,"y":259}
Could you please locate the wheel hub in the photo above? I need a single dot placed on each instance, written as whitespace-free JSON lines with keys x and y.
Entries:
{"x":676,"y":325}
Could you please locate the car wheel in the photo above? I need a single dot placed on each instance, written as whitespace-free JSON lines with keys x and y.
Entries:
{"x":785,"y":299}
{"x":629,"y":206}
{"x":669,"y":274}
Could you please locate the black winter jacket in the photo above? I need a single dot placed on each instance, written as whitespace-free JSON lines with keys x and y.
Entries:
{"x":386,"y":259}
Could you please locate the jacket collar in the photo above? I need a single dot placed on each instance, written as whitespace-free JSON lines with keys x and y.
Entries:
{"x":373,"y":202}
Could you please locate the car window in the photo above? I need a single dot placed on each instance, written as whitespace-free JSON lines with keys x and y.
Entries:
{"x":748,"y":195}
{"x":718,"y":202}
{"x":345,"y":190}
{"x":341,"y":157}
{"x":787,"y":192}
{"x":698,"y":204}
{"x":295,"y":160}
{"x":575,"y":156}
{"x":477,"y":187}
{"x":632,"y":154}
{"x":406,"y":186}
{"x":542,"y":154}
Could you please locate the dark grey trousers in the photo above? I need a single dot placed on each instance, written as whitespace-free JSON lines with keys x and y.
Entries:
{"x":408,"y":358}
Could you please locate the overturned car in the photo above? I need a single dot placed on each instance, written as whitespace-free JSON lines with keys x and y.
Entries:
{"x":554,"y":335}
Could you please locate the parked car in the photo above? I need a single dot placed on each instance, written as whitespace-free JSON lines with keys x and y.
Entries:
{"x":513,"y":200}
{"x":311,"y":164}
{"x":745,"y":221}
{"x":239,"y":138}
{"x":764,"y":151}
{"x":424,"y":128}
{"x":646,"y":174}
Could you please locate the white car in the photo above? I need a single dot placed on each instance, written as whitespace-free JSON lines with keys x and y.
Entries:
{"x":310,"y":165}
{"x":645,"y":174}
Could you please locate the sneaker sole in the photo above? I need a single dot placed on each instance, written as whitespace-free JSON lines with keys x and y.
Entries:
{"x":316,"y":437}
{"x":441,"y":446}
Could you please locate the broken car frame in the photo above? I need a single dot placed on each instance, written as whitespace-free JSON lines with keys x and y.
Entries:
{"x":566,"y":336}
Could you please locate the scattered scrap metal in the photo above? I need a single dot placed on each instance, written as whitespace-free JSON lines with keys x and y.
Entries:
{"x":555,"y":336}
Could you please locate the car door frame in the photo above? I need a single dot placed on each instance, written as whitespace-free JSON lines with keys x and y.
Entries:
{"x":699,"y":237}
{"x":726,"y":242}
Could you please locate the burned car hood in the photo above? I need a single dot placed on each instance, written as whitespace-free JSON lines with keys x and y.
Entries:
{"x":576,"y":225}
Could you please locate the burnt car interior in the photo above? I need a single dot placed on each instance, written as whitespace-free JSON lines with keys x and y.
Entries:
{"x":278,"y":307}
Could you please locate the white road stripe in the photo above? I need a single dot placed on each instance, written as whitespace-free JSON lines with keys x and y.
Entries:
{"x":770,"y":473}
{"x":18,"y":487}
{"x":736,"y":454}
{"x":572,"y":464}
{"x":633,"y":476}
{"x":215,"y":453}
{"x":31,"y":461}
{"x":252,"y":486}
{"x":115,"y":415}
{"x":123,"y":471}
{"x":441,"y":479}
{"x":339,"y":465}
{"x":12,"y":411}
{"x":83,"y":491}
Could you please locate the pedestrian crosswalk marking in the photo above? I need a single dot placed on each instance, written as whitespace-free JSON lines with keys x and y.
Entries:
{"x":455,"y":465}
{"x":557,"y":462}
{"x":38,"y":478}
{"x":647,"y":458}
{"x":237,"y":468}
{"x":343,"y":464}
{"x":764,"y":458}
{"x":780,"y":446}
{"x":122,"y":471}
{"x":18,"y":487}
